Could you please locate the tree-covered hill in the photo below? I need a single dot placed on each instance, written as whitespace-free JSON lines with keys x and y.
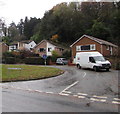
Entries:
{"x":66,"y":22}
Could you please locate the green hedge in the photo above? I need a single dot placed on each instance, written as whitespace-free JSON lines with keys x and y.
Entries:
{"x":34,"y":60}
{"x":10,"y":60}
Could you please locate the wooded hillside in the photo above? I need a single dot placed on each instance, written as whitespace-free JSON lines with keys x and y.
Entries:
{"x":66,"y":22}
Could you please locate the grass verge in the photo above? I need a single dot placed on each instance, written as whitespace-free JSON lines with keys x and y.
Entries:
{"x":27,"y":72}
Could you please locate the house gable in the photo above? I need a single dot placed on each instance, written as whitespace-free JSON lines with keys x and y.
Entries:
{"x":49,"y":47}
{"x":100,"y":41}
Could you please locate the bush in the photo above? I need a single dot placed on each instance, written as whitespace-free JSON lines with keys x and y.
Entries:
{"x":117,"y":66}
{"x":10,"y":60}
{"x":67,"y":54}
{"x":115,"y":61}
{"x":34,"y":60}
{"x":8,"y":54}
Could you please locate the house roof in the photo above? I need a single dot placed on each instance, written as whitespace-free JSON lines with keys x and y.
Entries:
{"x":14,"y":43}
{"x":3,"y":43}
{"x":95,"y":39}
{"x":26,"y":41}
{"x":48,"y":42}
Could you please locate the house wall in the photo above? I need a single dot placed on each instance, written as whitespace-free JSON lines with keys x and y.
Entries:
{"x":49,"y":53}
{"x":30,"y":46}
{"x":13,"y":47}
{"x":21,"y":46}
{"x":3,"y":48}
{"x":59,"y":51}
{"x":41,"y":45}
{"x":85,"y":41}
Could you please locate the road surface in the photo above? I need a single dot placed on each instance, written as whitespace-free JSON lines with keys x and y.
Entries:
{"x":74,"y":91}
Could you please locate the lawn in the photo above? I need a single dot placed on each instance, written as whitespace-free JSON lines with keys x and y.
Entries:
{"x":27,"y":72}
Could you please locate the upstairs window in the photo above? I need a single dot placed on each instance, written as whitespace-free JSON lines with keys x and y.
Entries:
{"x":85,"y":47}
{"x":42,"y":49}
{"x":49,"y":49}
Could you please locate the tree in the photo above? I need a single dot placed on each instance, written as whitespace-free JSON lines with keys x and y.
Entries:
{"x":99,"y":30}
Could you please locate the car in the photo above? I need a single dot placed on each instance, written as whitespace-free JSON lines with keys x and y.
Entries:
{"x":62,"y":61}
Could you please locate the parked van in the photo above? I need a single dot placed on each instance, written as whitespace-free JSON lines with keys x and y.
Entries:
{"x":93,"y":60}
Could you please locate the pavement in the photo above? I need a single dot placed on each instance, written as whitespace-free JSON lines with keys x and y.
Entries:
{"x":87,"y":87}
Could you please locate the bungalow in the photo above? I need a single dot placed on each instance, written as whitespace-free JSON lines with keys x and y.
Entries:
{"x":22,"y":45}
{"x":88,"y":43}
{"x":46,"y":47}
{"x":26,"y":45}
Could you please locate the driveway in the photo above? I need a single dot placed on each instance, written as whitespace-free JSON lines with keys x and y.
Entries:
{"x":83,"y":83}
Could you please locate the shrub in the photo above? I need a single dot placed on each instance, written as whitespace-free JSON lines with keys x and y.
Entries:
{"x":34,"y":60}
{"x":67,"y":54}
{"x":117,"y":66}
{"x":8,"y":54}
{"x":10,"y":60}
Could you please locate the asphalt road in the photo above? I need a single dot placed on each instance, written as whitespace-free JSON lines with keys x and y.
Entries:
{"x":76,"y":90}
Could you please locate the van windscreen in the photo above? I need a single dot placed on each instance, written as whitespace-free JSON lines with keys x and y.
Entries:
{"x":99,"y":58}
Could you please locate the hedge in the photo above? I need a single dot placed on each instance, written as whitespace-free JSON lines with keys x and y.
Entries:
{"x":34,"y":60}
{"x":10,"y":60}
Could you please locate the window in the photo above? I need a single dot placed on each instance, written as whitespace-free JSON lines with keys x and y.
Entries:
{"x":92,"y":47}
{"x":49,"y":49}
{"x":42,"y":49}
{"x":91,"y":59}
{"x":107,"y":47}
{"x":85,"y":47}
{"x":99,"y":58}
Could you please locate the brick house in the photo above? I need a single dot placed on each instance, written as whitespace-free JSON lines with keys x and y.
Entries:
{"x":88,"y":43}
{"x":46,"y":47}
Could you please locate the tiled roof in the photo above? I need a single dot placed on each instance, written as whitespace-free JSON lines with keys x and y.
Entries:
{"x":56,"y":45}
{"x":26,"y":41}
{"x":95,"y":39}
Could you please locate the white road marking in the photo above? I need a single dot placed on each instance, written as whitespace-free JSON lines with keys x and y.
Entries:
{"x":69,"y":86}
{"x":82,"y":94}
{"x":117,"y":99}
{"x":84,"y":74}
{"x":81,"y":97}
{"x":38,"y":91}
{"x":101,"y":100}
{"x":29,"y":89}
{"x":100,"y":96}
{"x":63,"y":94}
{"x":115,"y":102}
{"x":67,"y":92}
{"x":49,"y":92}
{"x":75,"y":95}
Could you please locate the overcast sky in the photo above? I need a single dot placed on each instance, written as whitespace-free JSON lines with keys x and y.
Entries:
{"x":14,"y":10}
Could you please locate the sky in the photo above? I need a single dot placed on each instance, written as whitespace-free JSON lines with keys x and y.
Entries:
{"x":14,"y":10}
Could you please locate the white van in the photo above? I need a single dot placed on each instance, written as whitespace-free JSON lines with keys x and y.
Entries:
{"x":93,"y":60}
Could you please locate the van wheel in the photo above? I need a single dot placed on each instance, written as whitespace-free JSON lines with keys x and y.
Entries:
{"x":78,"y":66}
{"x":95,"y":68}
